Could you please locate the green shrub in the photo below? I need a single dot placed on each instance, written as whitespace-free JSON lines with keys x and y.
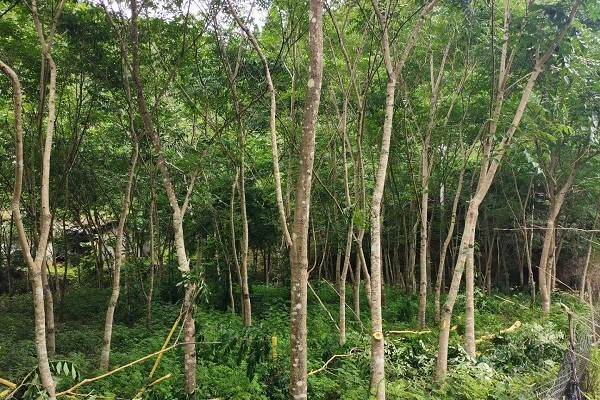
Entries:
{"x":530,"y":348}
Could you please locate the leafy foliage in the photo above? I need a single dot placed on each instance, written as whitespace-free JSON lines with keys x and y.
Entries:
{"x":240,"y":363}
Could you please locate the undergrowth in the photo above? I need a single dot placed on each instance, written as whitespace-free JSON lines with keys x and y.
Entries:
{"x":242,"y":363}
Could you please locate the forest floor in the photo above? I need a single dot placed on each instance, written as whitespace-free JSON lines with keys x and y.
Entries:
{"x":240,"y":363}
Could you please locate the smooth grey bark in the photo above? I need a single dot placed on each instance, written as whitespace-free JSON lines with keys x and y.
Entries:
{"x":43,"y":238}
{"x":152,"y":222}
{"x":116,"y":283}
{"x":351,"y":83}
{"x":36,"y":265}
{"x":239,"y":182}
{"x":425,"y":172}
{"x":447,"y":240}
{"x":557,"y":197}
{"x":412,"y":254}
{"x":588,"y":256}
{"x":49,"y":311}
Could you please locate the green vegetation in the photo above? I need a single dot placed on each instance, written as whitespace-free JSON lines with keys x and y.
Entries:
{"x":237,"y":363}
{"x":203,"y":167}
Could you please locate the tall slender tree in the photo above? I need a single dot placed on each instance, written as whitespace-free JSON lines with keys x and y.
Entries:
{"x":489,"y":166}
{"x":425,"y":173}
{"x":393,"y":69}
{"x":34,"y":265}
{"x":191,"y":287}
{"x":125,"y":203}
{"x":299,"y":235}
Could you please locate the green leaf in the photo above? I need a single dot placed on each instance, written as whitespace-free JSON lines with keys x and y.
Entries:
{"x":549,"y":136}
{"x":567,"y":130}
{"x":66,"y":369}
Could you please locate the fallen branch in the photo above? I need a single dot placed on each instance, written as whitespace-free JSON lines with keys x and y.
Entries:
{"x":8,"y":384}
{"x":11,"y":387}
{"x":71,"y":390}
{"x":351,"y":353}
{"x":23,"y":382}
{"x":409,"y":332}
{"x":159,"y":380}
{"x":491,"y":336}
{"x":510,"y":301}
{"x":153,"y":370}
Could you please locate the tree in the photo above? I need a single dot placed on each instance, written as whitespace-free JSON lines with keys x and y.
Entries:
{"x":239,"y":184}
{"x":299,"y":248}
{"x":425,"y":175}
{"x":36,"y":265}
{"x":350,"y":83}
{"x":191,"y":285}
{"x":565,"y":139}
{"x":393,"y":69}
{"x":116,"y":276}
{"x":489,"y":165}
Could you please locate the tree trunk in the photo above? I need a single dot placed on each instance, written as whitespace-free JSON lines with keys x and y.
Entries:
{"x":423,"y":261}
{"x":588,"y":256}
{"x":342,"y":282}
{"x":377,"y":341}
{"x":356,"y":285}
{"x":240,"y":184}
{"x":365,"y":272}
{"x":9,"y":255}
{"x":446,"y":244}
{"x":34,"y":265}
{"x":464,"y":252}
{"x":125,"y":203}
{"x":546,"y":258}
{"x":49,"y":311}
{"x":470,"y":303}
{"x":412,"y":259}
{"x":272,"y":126}
{"x":425,"y":175}
{"x":188,"y":307}
{"x":153,"y":259}
{"x":234,"y":251}
{"x":377,"y":388}
{"x":246,"y":305}
{"x":488,"y":171}
{"x":299,"y":248}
